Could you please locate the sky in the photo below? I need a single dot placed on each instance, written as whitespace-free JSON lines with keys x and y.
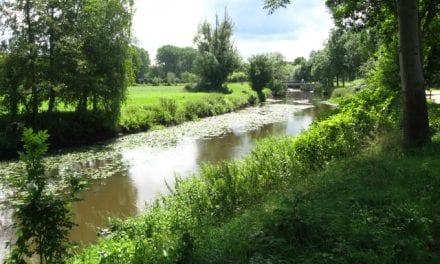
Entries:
{"x":294,"y":31}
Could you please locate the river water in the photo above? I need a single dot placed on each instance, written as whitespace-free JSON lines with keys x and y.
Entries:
{"x":147,"y":162}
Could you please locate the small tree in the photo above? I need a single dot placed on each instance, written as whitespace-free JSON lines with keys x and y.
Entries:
{"x":42,"y":217}
{"x":217,"y":55}
{"x":260,"y":73}
{"x":171,"y":78}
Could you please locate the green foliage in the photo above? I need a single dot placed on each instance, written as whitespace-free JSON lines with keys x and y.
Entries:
{"x":68,"y":129}
{"x":217,"y":55}
{"x":188,"y":78}
{"x":385,"y":70}
{"x":350,"y":89}
{"x":261,"y":71}
{"x":301,"y":70}
{"x":176,"y":59}
{"x":138,"y":64}
{"x":74,"y":52}
{"x":188,"y":224}
{"x":434,"y":119}
{"x":376,"y":208}
{"x":268,"y":70}
{"x":42,"y":219}
{"x":171,"y":78}
{"x":238,"y":76}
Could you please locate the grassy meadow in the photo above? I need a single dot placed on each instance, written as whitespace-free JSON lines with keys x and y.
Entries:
{"x":151,"y":95}
{"x":152,"y":106}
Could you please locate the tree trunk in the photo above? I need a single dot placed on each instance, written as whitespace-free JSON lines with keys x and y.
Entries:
{"x":343,"y":79}
{"x":31,"y":75}
{"x":52,"y":94}
{"x":416,"y":125}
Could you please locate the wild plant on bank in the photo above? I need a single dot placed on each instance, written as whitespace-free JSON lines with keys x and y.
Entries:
{"x":41,"y":213}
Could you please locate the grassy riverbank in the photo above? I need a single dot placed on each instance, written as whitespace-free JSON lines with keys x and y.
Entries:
{"x":150,"y":106}
{"x":340,"y":192}
{"x":146,"y":107}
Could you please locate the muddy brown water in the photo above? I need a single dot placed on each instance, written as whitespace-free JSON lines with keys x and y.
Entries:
{"x":147,"y":169}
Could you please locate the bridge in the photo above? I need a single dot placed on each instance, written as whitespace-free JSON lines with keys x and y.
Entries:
{"x":301,"y":85}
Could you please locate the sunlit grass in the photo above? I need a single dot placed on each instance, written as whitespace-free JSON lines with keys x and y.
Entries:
{"x":151,"y":95}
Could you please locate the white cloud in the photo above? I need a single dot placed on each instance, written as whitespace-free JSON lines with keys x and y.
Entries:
{"x":294,"y":31}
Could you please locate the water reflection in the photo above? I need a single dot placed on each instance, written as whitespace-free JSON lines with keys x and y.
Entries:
{"x":150,"y":169}
{"x":110,"y":197}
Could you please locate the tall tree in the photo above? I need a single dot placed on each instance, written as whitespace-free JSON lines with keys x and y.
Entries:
{"x":416,"y":132}
{"x":168,"y":57}
{"x":106,"y":32}
{"x":138,"y":64}
{"x":217,"y":54}
{"x":416,"y":124}
{"x":261,"y":71}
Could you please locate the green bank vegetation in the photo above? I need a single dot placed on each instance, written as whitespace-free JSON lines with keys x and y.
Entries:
{"x":302,"y":199}
{"x":43,"y":219}
{"x":149,"y":106}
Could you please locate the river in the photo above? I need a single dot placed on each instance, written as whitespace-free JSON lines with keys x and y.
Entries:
{"x":131,"y":171}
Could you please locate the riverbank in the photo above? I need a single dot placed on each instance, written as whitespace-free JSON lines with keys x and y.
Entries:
{"x":218,"y":216}
{"x":132,"y":165}
{"x":147,"y":108}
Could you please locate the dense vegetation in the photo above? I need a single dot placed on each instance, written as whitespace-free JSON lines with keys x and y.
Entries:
{"x":34,"y":199}
{"x":402,"y":48}
{"x":288,"y":200}
{"x":218,"y":57}
{"x":73,"y":53}
{"x":149,"y":107}
{"x":146,"y":107}
{"x":268,"y":70}
{"x":345,"y":191}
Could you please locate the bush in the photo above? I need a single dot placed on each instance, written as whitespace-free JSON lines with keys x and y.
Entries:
{"x":260,"y":73}
{"x":135,"y":119}
{"x":156,"y":81}
{"x":42,"y":220}
{"x":278,"y":87}
{"x":238,"y":77}
{"x":68,"y":129}
{"x":187,"y":77}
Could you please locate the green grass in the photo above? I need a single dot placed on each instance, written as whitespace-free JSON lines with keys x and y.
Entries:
{"x":376,"y":208}
{"x":152,"y":106}
{"x":350,"y":89}
{"x":151,"y":95}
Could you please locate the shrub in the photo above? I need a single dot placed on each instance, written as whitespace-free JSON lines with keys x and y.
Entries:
{"x":42,"y":219}
{"x":156,"y":81}
{"x":238,"y":77}
{"x":67,"y":129}
{"x":137,"y":118}
{"x":278,"y":87}
{"x":187,"y":77}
